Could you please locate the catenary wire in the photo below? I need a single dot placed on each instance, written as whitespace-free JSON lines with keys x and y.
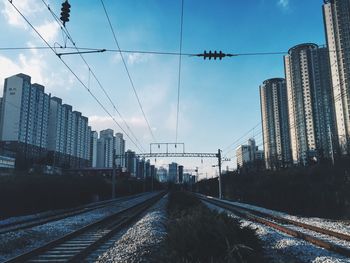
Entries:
{"x":127,"y":70}
{"x":179,"y":73}
{"x":71,"y":70}
{"x":151,"y":52}
{"x":66,"y":32}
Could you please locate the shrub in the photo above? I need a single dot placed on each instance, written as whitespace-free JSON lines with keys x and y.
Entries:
{"x":197,"y":234}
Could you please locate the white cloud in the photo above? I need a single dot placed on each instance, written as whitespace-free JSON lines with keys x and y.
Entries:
{"x":105,"y":122}
{"x":34,"y":11}
{"x":283,"y":3}
{"x":137,"y":58}
{"x":48,"y":30}
{"x":34,"y":51}
{"x":11,"y":15}
{"x":116,"y":59}
{"x":131,"y":59}
{"x":27,"y":7}
{"x":32,"y":66}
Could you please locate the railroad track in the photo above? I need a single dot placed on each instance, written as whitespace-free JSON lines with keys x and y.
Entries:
{"x":285,"y":225}
{"x":75,"y":246}
{"x":32,"y":222}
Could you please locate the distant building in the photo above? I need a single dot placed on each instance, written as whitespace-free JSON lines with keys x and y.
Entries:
{"x":162,"y":175}
{"x":108,"y":144}
{"x":120,"y":149}
{"x":141,"y":167}
{"x":310,"y":107}
{"x":40,"y":129}
{"x":131,"y":162}
{"x":57,"y":125}
{"x":259,"y":155}
{"x":337,"y":24}
{"x":242,"y":155}
{"x":147,"y":169}
{"x":105,"y":147}
{"x":186,"y":178}
{"x":181,"y":173}
{"x":153,"y":171}
{"x":275,"y":123}
{"x":249,"y":155}
{"x":173,"y":173}
{"x":93,"y":148}
{"x":68,"y":136}
{"x":24,"y":118}
{"x":25,"y":109}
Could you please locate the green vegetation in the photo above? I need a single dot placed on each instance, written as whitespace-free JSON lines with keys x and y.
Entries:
{"x":320,"y":190}
{"x":197,"y":234}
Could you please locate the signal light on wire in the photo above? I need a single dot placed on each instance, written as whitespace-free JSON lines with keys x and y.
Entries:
{"x":65,"y":10}
{"x":214,"y":55}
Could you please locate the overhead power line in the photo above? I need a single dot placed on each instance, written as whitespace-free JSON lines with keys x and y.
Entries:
{"x":151,"y":52}
{"x":231,"y":145}
{"x":179,"y":76}
{"x":127,"y":70}
{"x":91,"y":72}
{"x":71,"y":70}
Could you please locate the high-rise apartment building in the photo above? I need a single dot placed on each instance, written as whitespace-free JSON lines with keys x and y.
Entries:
{"x":105,"y":147}
{"x":131,"y":162}
{"x":40,"y":128}
{"x":93,"y":148}
{"x":162,"y":174}
{"x":147,"y":168}
{"x":68,"y":135}
{"x":24,"y":116}
{"x":120,"y":149}
{"x":337,"y":26}
{"x":56,"y":132}
{"x":141,"y":168}
{"x":242,"y":155}
{"x":82,"y":136}
{"x":249,"y":155}
{"x":310,"y":103}
{"x":181,"y":173}
{"x":274,"y":116}
{"x":153,"y":171}
{"x":173,"y":173}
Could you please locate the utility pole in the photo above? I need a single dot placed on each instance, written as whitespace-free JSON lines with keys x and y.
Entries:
{"x":219,"y":164}
{"x":113,"y":175}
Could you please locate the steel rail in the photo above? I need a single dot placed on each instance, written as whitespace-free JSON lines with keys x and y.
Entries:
{"x":41,"y":220}
{"x":264,"y":219}
{"x":74,"y":246}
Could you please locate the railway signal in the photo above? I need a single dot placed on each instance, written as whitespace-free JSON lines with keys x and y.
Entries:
{"x":65,"y":10}
{"x":214,"y":55}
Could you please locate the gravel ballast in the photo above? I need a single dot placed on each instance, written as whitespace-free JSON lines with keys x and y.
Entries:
{"x":140,"y":242}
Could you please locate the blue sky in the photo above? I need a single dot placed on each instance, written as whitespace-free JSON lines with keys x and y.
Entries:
{"x":219,"y":100}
